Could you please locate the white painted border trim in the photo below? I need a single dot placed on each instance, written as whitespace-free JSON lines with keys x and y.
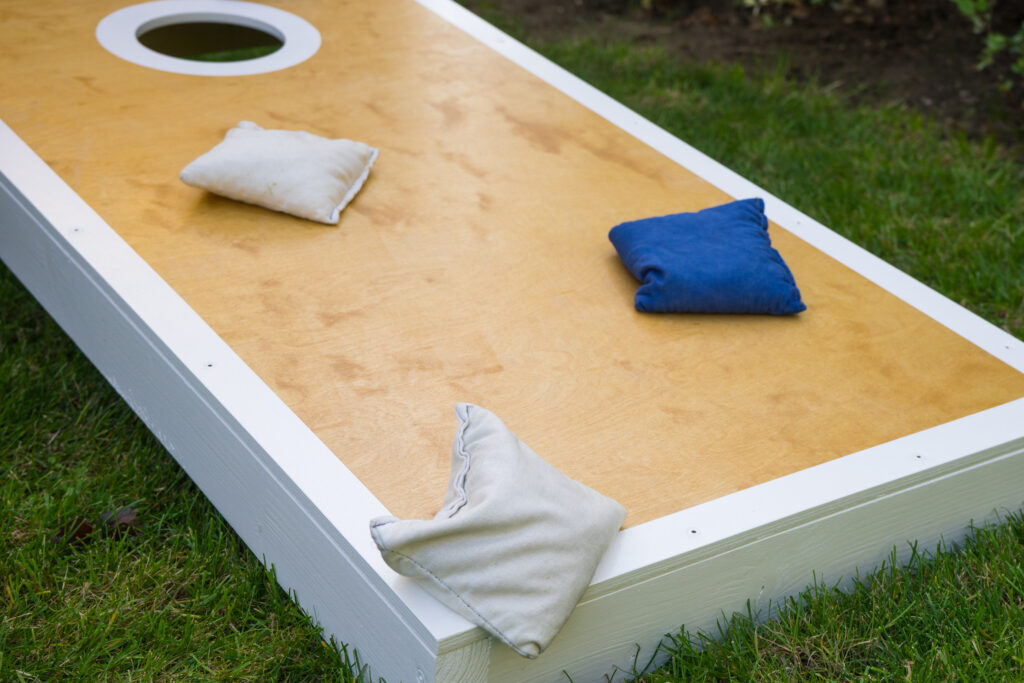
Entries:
{"x":762,"y":567}
{"x":996,"y":341}
{"x":663,"y":544}
{"x":118,"y":33}
{"x":646,"y":551}
{"x":675,"y":540}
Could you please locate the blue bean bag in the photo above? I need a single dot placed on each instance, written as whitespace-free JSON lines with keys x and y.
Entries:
{"x":719,"y":260}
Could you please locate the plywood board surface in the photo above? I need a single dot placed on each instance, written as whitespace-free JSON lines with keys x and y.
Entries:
{"x":474,"y":266}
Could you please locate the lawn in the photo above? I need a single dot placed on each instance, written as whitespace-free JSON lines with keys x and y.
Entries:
{"x":173,"y":594}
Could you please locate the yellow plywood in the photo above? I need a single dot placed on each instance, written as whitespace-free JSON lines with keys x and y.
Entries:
{"x":474,"y":266}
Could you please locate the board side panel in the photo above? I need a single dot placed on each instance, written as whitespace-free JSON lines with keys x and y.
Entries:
{"x":312,"y":559}
{"x":607,"y":635}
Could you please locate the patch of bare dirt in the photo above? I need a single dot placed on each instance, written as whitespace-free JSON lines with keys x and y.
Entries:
{"x":922,"y":53}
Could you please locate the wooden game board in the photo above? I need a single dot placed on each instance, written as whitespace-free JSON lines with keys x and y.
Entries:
{"x":305,"y":375}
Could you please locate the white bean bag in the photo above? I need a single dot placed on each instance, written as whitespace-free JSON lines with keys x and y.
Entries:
{"x":285,"y":170}
{"x":516,"y":542}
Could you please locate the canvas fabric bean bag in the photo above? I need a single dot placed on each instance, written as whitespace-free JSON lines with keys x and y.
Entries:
{"x":516,"y":542}
{"x":292,"y":171}
{"x":718,"y":260}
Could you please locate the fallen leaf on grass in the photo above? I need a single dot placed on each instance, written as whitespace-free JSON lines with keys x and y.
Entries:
{"x":125,"y":522}
{"x":79,"y":530}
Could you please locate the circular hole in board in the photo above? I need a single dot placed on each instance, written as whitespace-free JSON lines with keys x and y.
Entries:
{"x":208,"y":37}
{"x":209,"y":41}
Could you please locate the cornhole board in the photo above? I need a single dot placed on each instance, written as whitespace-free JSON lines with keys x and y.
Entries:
{"x":305,"y":375}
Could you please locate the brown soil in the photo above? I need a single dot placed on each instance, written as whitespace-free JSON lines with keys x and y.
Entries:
{"x":922,"y":53}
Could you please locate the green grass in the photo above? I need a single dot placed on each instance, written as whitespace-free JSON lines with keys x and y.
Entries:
{"x":185,"y":599}
{"x":236,"y":55}
{"x":939,"y":616}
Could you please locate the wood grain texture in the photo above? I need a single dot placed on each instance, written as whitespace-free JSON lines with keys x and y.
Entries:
{"x":470,"y":663}
{"x":475,"y":266}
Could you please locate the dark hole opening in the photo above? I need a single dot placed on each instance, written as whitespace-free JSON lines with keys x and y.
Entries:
{"x":210,"y":41}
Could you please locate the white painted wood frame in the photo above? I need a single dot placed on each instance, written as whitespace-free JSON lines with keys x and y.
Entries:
{"x":297,"y":506}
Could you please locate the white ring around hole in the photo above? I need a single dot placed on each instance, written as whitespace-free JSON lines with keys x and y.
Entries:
{"x":118,"y":33}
